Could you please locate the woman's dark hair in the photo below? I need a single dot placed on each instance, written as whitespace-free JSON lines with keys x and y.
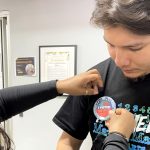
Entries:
{"x":131,"y":14}
{"x":5,"y":141}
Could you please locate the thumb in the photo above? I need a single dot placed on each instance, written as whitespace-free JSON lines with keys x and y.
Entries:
{"x":92,"y":90}
{"x":107,"y":123}
{"x":111,"y":113}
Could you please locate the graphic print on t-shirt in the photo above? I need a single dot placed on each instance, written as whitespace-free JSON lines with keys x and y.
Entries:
{"x":140,"y":139}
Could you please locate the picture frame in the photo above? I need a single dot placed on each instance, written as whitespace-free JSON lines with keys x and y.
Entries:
{"x":57,"y":62}
{"x":25,"y":66}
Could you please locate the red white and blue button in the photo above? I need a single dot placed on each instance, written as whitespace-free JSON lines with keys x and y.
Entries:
{"x":102,"y":107}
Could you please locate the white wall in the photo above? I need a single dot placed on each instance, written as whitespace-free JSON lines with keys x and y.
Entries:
{"x":49,"y":22}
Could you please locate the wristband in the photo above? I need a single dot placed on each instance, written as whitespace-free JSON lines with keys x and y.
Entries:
{"x":120,"y":134}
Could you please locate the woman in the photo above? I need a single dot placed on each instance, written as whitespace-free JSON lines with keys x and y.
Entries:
{"x":14,"y":100}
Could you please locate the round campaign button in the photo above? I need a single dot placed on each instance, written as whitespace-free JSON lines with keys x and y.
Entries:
{"x":102,"y":107}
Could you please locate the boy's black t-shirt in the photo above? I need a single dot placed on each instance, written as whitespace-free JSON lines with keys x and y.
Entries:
{"x":77,"y":118}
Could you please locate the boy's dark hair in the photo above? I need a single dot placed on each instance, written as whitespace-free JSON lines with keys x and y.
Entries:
{"x":131,"y":14}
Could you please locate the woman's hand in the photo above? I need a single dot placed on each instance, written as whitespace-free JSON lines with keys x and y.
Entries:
{"x":87,"y":83}
{"x":121,"y":121}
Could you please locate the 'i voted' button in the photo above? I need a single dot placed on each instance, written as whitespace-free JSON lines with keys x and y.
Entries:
{"x":102,"y":107}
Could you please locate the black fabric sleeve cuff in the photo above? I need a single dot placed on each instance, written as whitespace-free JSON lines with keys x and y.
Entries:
{"x":64,"y":127}
{"x":115,"y":141}
{"x":70,"y":116}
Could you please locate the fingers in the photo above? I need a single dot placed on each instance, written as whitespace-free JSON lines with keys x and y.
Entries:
{"x":107,"y":123}
{"x":111,"y":115}
{"x":95,"y":77}
{"x":111,"y":112}
{"x":92,"y":91}
{"x":95,"y":88}
{"x":93,"y":71}
{"x":91,"y":82}
{"x":120,"y":111}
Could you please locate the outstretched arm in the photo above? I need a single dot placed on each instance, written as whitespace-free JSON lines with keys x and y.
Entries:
{"x":14,"y":100}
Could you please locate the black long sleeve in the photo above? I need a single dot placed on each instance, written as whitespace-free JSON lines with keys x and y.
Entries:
{"x":14,"y":100}
{"x":115,"y":142}
{"x":111,"y":142}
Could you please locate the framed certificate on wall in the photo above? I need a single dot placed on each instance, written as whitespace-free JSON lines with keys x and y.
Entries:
{"x":57,"y":62}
